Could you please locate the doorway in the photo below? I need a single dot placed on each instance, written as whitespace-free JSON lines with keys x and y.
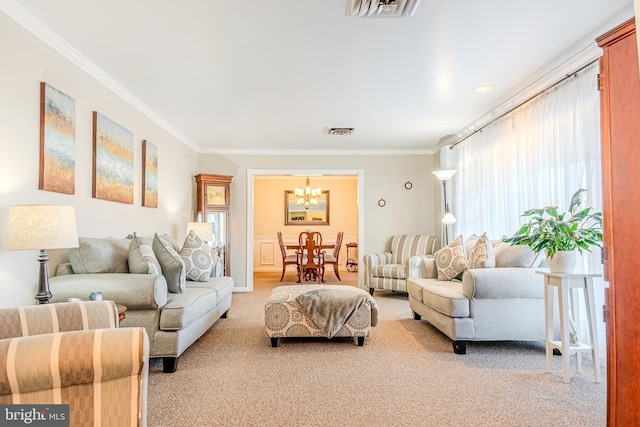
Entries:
{"x":278,"y":204}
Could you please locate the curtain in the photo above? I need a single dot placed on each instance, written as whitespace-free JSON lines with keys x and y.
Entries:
{"x":537,"y":155}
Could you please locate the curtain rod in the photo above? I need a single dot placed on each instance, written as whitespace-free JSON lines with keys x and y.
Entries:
{"x":524,"y":102}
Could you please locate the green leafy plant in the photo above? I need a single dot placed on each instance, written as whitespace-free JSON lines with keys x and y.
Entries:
{"x":551,"y":231}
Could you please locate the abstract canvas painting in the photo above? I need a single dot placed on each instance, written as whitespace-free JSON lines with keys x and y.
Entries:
{"x":149,"y":175}
{"x":57,"y":141}
{"x":112,"y":160}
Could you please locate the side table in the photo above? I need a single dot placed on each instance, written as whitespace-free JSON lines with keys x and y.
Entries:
{"x":565,"y":283}
{"x":122,"y":311}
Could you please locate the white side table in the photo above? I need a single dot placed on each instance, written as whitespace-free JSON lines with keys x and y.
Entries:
{"x":565,"y":282}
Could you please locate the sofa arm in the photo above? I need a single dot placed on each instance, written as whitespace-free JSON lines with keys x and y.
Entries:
{"x":136,"y":291}
{"x":415,"y":266}
{"x":61,"y":317}
{"x":371,"y":260}
{"x":113,"y":362}
{"x":502,"y":282}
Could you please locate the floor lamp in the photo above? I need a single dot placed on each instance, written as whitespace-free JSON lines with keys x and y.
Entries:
{"x":448,"y":218}
{"x":42,"y":227}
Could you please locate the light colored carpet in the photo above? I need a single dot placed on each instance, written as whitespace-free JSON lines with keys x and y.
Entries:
{"x":406,"y":374}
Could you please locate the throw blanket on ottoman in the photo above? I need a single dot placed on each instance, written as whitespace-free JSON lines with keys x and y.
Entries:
{"x":285,"y":316}
{"x":331,"y":308}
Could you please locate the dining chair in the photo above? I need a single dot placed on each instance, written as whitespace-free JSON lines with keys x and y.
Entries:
{"x":310,"y":257}
{"x":286,"y":259}
{"x":333,"y":258}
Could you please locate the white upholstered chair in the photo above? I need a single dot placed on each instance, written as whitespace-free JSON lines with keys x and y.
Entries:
{"x":390,"y":270}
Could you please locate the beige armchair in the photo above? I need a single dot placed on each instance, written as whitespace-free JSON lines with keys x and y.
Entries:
{"x":390,"y":270}
{"x":74,"y":353}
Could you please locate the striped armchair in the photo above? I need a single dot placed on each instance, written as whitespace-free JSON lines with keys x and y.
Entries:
{"x":74,"y":353}
{"x":390,"y":270}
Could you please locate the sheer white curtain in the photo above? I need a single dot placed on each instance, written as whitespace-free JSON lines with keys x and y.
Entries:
{"x":538,"y":155}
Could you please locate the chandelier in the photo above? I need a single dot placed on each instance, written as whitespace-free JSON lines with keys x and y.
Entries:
{"x":307,"y":196}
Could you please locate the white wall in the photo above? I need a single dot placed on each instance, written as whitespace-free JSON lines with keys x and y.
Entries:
{"x":27,"y":61}
{"x":406,"y":211}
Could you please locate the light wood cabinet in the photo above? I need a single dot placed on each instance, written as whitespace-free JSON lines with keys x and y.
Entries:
{"x":214,"y":196}
{"x":619,"y":84}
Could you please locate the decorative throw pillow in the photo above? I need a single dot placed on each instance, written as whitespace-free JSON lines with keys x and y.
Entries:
{"x":173,"y":268}
{"x":469,"y":243}
{"x":170,"y":242}
{"x":97,"y":255}
{"x":197,"y":258}
{"x":450,"y":260}
{"x":482,"y":254}
{"x":430,"y":269}
{"x":142,"y":260}
{"x":508,"y":255}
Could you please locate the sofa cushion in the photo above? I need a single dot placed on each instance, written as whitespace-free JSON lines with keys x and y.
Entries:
{"x":223,"y":286}
{"x":445,"y":297}
{"x":96,"y":255}
{"x":184,"y":308}
{"x":142,"y":259}
{"x":173,"y":268}
{"x":197,"y":258}
{"x":508,"y":255}
{"x":482,"y":254}
{"x":391,"y":271}
{"x":450,"y":260}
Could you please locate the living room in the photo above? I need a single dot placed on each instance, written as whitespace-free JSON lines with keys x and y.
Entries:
{"x":32,"y":55}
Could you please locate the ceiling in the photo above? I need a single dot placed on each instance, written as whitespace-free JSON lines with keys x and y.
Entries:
{"x":259,"y":76}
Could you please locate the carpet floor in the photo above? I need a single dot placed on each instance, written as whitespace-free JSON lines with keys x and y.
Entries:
{"x":406,"y":374}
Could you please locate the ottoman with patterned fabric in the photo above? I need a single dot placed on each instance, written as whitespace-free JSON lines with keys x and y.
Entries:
{"x":290,"y":312}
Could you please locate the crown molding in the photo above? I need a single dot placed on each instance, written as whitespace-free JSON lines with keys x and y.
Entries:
{"x":573,"y":59}
{"x":44,"y":33}
{"x":415,"y":152}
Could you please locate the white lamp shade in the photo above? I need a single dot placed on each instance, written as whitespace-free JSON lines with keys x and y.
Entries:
{"x":445,"y":174}
{"x":41,"y":227}
{"x":204,"y":230}
{"x":448,"y":218}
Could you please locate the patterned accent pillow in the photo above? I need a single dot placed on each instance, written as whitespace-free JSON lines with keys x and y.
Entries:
{"x":197,"y":258}
{"x":482,"y":255}
{"x":142,"y":260}
{"x":173,"y":268}
{"x":450,"y":260}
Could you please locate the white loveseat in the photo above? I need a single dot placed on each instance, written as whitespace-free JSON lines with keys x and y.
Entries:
{"x":502,"y":303}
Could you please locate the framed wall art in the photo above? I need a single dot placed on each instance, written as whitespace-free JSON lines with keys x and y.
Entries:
{"x":149,"y":175}
{"x":112,"y":160}
{"x":57,"y":141}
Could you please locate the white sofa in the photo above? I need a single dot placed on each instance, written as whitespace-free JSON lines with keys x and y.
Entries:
{"x":173,"y":320}
{"x":504,"y":303}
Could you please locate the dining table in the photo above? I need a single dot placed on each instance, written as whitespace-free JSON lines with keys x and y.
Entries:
{"x":297,"y":245}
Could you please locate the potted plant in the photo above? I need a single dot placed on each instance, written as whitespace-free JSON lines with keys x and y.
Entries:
{"x":560,"y":235}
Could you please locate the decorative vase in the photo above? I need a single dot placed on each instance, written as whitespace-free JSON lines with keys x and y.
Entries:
{"x":563,"y":262}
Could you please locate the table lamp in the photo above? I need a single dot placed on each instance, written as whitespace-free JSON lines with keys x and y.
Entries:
{"x":42,"y":227}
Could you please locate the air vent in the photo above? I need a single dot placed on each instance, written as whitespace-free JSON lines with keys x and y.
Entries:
{"x":341,"y":131}
{"x":382,"y":8}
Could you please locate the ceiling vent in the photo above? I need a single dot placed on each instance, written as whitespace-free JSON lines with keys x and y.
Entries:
{"x":341,"y":131}
{"x":382,"y":8}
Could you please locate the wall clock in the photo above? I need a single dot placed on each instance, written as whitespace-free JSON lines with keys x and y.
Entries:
{"x":408,"y":185}
{"x":216,"y":195}
{"x":382,"y":203}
